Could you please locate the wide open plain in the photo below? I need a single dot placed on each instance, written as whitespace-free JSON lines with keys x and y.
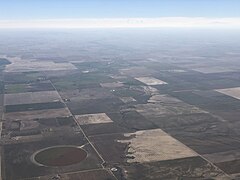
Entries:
{"x":142,"y":104}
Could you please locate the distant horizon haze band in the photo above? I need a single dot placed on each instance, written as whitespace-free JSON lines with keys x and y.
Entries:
{"x":123,"y":22}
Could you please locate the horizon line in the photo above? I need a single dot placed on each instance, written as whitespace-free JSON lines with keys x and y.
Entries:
{"x":157,"y":22}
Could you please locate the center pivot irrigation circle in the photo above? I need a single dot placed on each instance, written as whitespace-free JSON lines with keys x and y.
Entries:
{"x":59,"y":156}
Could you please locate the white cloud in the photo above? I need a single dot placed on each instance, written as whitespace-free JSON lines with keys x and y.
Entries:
{"x":123,"y":22}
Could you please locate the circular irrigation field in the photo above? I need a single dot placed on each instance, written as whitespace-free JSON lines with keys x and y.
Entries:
{"x":59,"y":156}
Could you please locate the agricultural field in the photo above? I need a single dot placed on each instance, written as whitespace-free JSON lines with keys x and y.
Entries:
{"x":119,"y":108}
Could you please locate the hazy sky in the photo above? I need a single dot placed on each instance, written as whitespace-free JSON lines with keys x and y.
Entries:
{"x":52,"y":9}
{"x":34,"y":10}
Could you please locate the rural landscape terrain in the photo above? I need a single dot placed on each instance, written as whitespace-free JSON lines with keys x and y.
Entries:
{"x":120,"y":104}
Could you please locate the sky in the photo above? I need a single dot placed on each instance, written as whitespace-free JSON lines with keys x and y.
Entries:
{"x":25,"y":12}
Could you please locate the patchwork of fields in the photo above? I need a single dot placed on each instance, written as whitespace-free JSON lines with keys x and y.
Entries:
{"x":124,"y":109}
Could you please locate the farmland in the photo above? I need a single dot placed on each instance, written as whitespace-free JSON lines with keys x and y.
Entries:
{"x":120,"y":108}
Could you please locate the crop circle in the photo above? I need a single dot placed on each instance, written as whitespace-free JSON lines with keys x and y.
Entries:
{"x":59,"y":156}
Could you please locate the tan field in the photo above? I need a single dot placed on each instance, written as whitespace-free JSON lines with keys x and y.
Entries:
{"x":155,"y":145}
{"x":233,"y":92}
{"x":127,"y":99}
{"x":150,"y":81}
{"x":22,"y":65}
{"x":112,"y":85}
{"x":93,"y":119}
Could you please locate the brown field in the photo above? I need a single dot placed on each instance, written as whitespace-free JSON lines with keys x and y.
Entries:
{"x":85,"y":94}
{"x":39,"y":114}
{"x":31,"y":97}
